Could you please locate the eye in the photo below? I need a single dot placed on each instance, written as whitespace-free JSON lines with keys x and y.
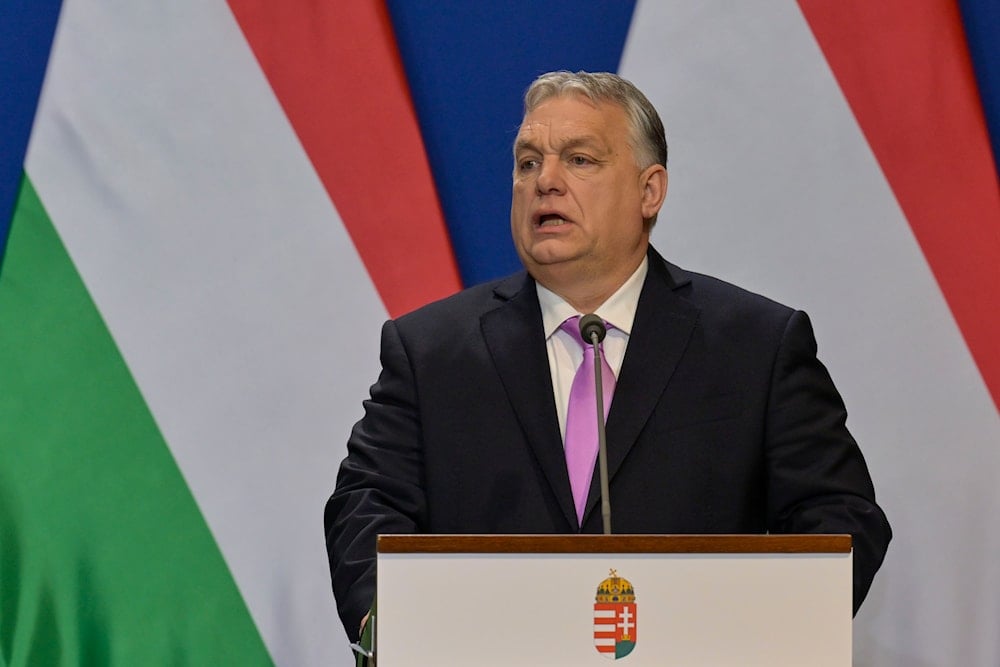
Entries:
{"x":527,"y":164}
{"x":580,"y":160}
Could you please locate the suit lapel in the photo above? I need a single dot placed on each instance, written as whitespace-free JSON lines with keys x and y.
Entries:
{"x":514,"y":336}
{"x":661,"y":330}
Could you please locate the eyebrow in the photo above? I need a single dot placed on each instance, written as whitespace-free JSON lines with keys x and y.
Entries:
{"x":590,"y":140}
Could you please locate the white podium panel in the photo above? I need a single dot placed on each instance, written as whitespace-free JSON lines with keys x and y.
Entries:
{"x":725,"y":603}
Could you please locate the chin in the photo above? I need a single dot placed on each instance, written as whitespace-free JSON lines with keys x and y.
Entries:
{"x":549,"y":258}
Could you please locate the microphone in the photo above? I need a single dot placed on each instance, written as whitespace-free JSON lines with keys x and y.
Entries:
{"x":592,"y":325}
{"x":593,"y":330}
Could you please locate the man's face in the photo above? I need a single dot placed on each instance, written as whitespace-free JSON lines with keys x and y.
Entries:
{"x":579,"y":198}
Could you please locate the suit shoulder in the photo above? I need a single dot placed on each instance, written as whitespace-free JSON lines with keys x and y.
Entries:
{"x":736,"y":317}
{"x":464,"y":308}
{"x":710,"y":292}
{"x":730,"y":310}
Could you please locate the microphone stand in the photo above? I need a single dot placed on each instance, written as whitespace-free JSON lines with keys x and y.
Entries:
{"x":593,"y":330}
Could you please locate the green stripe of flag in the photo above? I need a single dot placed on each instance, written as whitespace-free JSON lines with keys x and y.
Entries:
{"x":105,"y":558}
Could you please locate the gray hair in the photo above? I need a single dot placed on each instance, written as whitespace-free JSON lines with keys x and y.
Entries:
{"x":649,"y":141}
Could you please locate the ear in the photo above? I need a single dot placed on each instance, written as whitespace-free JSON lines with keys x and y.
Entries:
{"x":654,"y":190}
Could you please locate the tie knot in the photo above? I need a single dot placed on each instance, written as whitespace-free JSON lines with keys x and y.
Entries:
{"x":572,"y":327}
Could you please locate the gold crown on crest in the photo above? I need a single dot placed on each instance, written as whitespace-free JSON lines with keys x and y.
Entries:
{"x":615,"y":589}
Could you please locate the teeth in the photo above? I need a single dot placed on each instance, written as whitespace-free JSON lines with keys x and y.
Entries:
{"x":552,"y":222}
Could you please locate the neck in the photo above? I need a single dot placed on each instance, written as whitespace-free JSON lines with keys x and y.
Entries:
{"x":586,"y":293}
{"x":585,"y":301}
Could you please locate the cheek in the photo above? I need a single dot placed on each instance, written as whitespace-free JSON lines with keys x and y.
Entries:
{"x":519,"y":199}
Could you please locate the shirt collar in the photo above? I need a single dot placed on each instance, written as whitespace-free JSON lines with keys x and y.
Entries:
{"x":618,"y":310}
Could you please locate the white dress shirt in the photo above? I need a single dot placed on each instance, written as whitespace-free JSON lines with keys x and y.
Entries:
{"x":565,"y":355}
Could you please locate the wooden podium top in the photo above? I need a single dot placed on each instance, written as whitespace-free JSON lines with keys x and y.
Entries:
{"x":474,"y":544}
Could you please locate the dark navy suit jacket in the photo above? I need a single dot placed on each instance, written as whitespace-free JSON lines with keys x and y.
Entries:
{"x":723,"y":421}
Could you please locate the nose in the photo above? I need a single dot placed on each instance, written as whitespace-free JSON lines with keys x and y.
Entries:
{"x":550,"y":177}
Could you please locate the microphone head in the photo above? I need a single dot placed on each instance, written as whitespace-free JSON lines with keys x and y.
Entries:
{"x":590,"y":325}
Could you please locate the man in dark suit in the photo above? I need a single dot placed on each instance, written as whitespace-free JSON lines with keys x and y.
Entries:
{"x":722,"y":419}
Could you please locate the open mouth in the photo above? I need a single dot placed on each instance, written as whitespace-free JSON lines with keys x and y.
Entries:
{"x":551,"y":220}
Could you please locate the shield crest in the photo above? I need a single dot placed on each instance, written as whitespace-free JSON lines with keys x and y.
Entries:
{"x":615,"y":617}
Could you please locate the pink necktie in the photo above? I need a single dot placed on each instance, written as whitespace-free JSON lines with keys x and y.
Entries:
{"x":581,"y":417}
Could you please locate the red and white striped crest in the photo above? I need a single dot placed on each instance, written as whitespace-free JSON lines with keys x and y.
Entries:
{"x":615,"y":617}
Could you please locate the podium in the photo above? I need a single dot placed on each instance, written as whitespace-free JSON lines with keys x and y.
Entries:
{"x":639,"y":599}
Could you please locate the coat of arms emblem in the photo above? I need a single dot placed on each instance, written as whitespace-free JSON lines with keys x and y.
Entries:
{"x":615,"y":617}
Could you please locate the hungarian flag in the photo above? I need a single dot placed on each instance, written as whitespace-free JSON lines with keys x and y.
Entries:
{"x":220,"y":206}
{"x":208,"y":209}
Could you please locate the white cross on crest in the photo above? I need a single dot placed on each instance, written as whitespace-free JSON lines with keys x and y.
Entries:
{"x":626,"y":618}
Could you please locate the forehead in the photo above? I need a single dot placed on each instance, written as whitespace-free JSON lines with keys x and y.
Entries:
{"x":573,"y":118}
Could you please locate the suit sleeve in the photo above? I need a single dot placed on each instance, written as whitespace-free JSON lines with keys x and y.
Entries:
{"x":818,"y":481}
{"x":379,"y":486}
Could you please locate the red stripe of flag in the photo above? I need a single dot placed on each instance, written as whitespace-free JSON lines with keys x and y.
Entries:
{"x":905,"y":70}
{"x":335,"y":70}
